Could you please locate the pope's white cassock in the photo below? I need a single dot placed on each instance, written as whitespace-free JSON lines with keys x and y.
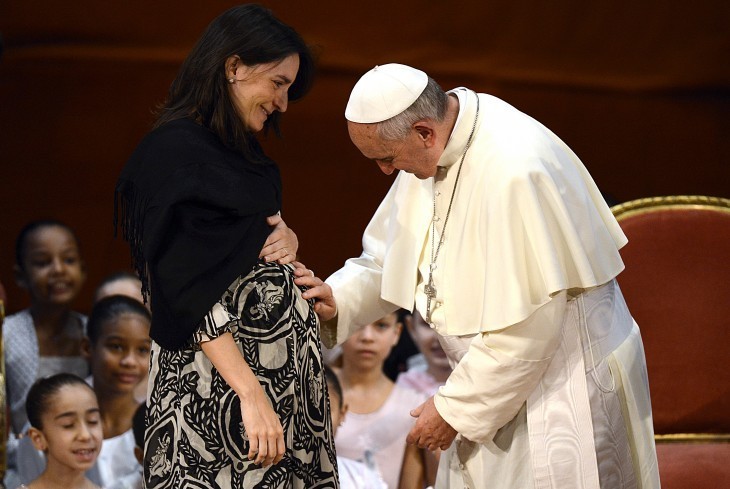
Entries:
{"x":549,"y":388}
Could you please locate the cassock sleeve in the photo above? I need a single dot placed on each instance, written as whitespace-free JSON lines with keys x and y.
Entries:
{"x":499,"y":371}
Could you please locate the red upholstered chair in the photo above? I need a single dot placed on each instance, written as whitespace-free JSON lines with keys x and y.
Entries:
{"x":677,"y":286}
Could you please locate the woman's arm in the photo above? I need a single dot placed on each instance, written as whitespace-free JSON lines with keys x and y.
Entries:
{"x":263,"y":427}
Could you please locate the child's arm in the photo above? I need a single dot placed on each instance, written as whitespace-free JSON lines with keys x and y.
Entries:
{"x":431,"y":462}
{"x":262,"y":424}
{"x":413,"y":471}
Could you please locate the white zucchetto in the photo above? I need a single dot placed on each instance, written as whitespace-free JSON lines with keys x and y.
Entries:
{"x":384,"y":92}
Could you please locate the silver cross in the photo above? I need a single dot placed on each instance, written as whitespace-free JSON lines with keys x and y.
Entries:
{"x":430,"y":291}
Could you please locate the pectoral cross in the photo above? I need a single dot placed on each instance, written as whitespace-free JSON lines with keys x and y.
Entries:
{"x":430,"y":292}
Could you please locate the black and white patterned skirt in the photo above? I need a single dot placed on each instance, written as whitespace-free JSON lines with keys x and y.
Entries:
{"x":194,"y":436}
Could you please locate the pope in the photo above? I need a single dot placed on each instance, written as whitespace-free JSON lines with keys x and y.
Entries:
{"x":497,"y":233}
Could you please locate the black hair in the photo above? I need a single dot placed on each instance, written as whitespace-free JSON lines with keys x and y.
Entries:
{"x":333,"y":382}
{"x":200,"y":90}
{"x":109,"y":309}
{"x":139,"y":423}
{"x":397,"y":361}
{"x":40,"y":395}
{"x":21,"y":242}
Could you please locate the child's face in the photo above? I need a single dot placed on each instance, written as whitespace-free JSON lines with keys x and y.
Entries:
{"x":370,"y":345}
{"x":120,"y":357}
{"x":52,"y":270}
{"x":427,"y":342}
{"x":71,"y":433}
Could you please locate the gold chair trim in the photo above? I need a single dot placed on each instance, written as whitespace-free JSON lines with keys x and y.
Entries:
{"x":650,"y":204}
{"x":693,"y":438}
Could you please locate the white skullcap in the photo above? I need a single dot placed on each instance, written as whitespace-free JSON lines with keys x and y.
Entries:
{"x":384,"y":92}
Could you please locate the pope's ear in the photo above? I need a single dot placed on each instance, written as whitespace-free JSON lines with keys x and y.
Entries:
{"x":425,"y":133}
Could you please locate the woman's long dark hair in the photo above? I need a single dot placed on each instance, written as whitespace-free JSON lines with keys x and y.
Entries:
{"x":200,"y":90}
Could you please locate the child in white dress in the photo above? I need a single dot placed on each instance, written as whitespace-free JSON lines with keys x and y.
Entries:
{"x":379,"y":419}
{"x":353,"y":474}
{"x":117,"y":349}
{"x":45,"y":338}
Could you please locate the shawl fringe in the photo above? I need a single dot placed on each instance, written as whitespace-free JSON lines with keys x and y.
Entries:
{"x":129,"y":208}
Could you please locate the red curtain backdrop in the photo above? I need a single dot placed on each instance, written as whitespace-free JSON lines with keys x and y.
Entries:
{"x":640,"y":90}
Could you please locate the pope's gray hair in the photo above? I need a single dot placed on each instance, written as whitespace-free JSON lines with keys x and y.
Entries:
{"x":431,"y":104}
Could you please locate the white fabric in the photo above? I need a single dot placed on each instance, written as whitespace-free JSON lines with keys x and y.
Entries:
{"x":131,"y":481}
{"x":48,"y":366}
{"x":116,"y":459}
{"x":527,"y":223}
{"x":378,"y":439}
{"x":474,"y":400}
{"x":527,"y":215}
{"x":578,"y":429}
{"x":22,"y":359}
{"x":419,"y":380}
{"x":357,"y":475}
{"x":384,"y":92}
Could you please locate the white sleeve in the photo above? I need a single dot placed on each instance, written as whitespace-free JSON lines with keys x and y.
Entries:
{"x":499,"y":371}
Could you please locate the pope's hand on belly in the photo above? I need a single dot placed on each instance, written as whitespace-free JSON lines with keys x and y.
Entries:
{"x":430,"y":430}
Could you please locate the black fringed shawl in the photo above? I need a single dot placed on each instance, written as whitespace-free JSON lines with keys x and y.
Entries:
{"x":194,"y":213}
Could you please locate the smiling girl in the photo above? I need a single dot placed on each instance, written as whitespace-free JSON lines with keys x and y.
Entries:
{"x":44,"y":339}
{"x":118,"y":350}
{"x":66,"y":426}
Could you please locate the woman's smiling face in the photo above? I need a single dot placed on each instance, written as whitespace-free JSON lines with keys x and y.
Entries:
{"x":259,"y":90}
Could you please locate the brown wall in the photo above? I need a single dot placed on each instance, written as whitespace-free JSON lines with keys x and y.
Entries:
{"x":640,"y":92}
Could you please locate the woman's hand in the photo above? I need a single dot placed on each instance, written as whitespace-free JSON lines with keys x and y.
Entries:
{"x":324,"y":301}
{"x":262,"y":424}
{"x":282,"y":244}
{"x":263,"y":428}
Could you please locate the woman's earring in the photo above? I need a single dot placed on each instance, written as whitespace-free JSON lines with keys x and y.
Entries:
{"x":231,"y":80}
